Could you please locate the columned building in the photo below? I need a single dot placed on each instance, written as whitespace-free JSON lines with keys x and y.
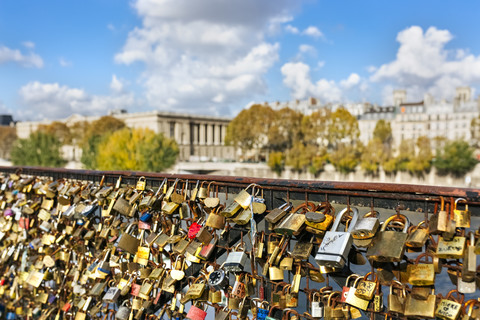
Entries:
{"x":200,"y":138}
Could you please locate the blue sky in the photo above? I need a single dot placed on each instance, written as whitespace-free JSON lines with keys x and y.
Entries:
{"x":217,"y":56}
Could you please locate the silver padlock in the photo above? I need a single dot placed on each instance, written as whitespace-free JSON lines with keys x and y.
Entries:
{"x":466,"y":287}
{"x":112,"y":294}
{"x":317,"y":306}
{"x":218,"y":280}
{"x":123,"y":312}
{"x":334,"y":249}
{"x":236,"y":260}
{"x":366,"y":227}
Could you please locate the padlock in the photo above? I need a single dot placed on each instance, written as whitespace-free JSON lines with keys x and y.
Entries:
{"x":396,"y":302}
{"x":462,"y":217}
{"x":366,"y":288}
{"x":316,"y":305}
{"x":449,"y":307}
{"x":128,"y":242}
{"x":472,"y":310}
{"x":346,"y":288}
{"x":124,"y":311}
{"x":275,"y":273}
{"x":277,"y":214}
{"x":236,"y":260}
{"x":424,"y":309}
{"x":112,"y":294}
{"x":421,"y":274}
{"x":417,"y":236}
{"x":389,"y":246}
{"x":450,"y":249}
{"x":262,"y":310}
{"x":353,"y":299}
{"x":302,"y":250}
{"x":196,"y":313}
{"x":336,"y":245}
{"x":366,"y":227}
{"x":438,"y":221}
{"x":215,"y":220}
{"x":469,"y":266}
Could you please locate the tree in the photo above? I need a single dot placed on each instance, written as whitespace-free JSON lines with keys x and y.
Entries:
{"x":315,"y":127}
{"x":59,"y":129}
{"x":284,"y":130}
{"x":456,"y":158}
{"x":383,"y":132}
{"x":343,"y":128}
{"x":8,"y":135}
{"x":421,"y":162}
{"x":136,"y":149}
{"x":94,"y":135}
{"x":345,"y":158}
{"x":276,"y":162}
{"x":299,"y":157}
{"x":40,"y":149}
{"x":249,"y":129}
{"x":475,"y":132}
{"x":374,"y":155}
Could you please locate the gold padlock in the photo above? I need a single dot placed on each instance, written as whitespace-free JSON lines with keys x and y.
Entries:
{"x":141,"y":184}
{"x":449,"y":308}
{"x":462,"y":217}
{"x":421,"y":274}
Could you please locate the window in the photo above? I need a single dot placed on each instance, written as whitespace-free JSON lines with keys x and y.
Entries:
{"x":172,"y":129}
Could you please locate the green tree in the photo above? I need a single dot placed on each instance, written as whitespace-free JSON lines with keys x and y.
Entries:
{"x":94,"y":135}
{"x":40,"y":149}
{"x":345,"y":158}
{"x":249,"y":129}
{"x":406,"y":151}
{"x":276,"y":161}
{"x":456,"y":158}
{"x":8,"y":135}
{"x":136,"y":149}
{"x":299,"y":157}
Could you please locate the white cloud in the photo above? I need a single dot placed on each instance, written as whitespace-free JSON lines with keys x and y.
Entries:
{"x":296,"y":77}
{"x":28,"y":44}
{"x":306,"y":48}
{"x":204,"y":56}
{"x":53,"y":101}
{"x":351,"y":81}
{"x":64,"y":62}
{"x":111,"y":27}
{"x":30,"y":59}
{"x":291,"y":29}
{"x":320,"y":64}
{"x":313,"y":32}
{"x":116,"y":84}
{"x":423,"y":64}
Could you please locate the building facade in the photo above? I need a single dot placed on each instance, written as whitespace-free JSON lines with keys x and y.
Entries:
{"x":200,"y":138}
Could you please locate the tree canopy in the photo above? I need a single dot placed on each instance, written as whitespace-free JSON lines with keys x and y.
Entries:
{"x":8,"y":135}
{"x":456,"y":158}
{"x":40,"y":149}
{"x":94,"y":134}
{"x":136,"y":149}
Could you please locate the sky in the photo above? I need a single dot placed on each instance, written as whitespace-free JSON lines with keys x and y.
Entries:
{"x":215,"y":57}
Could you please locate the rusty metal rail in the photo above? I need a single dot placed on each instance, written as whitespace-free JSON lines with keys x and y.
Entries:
{"x":420,"y":198}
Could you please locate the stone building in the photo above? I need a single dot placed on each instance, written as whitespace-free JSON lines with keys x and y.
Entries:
{"x":200,"y":138}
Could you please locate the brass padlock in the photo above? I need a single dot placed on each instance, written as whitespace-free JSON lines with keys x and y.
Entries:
{"x":438,"y":221}
{"x":396,"y":302}
{"x":449,"y":308}
{"x":141,"y":184}
{"x":389,"y":246}
{"x":417,"y":236}
{"x":424,"y":309}
{"x":421,"y":274}
{"x":462,"y":217}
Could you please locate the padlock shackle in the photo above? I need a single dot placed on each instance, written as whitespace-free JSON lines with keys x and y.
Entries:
{"x":339,"y":216}
{"x":406,"y":222}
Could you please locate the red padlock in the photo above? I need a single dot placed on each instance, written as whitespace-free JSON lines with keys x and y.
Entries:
{"x":346,"y":288}
{"x":193,"y":230}
{"x":196,"y":313}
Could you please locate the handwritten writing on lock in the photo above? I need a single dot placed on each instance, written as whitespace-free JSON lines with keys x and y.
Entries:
{"x":329,"y":241}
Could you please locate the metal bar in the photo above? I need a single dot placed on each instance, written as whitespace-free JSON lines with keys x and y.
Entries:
{"x":389,"y":195}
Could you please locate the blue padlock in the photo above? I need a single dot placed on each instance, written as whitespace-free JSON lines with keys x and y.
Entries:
{"x":146,"y":217}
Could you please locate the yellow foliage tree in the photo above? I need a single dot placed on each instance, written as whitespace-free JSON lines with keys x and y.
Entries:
{"x":136,"y":149}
